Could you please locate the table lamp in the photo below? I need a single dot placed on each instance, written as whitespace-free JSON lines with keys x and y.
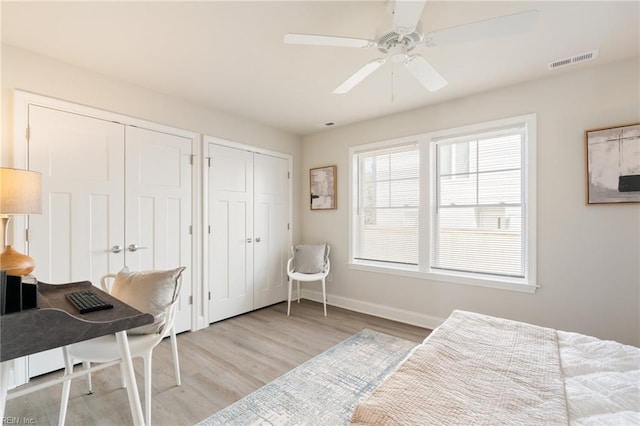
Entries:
{"x":20,"y":194}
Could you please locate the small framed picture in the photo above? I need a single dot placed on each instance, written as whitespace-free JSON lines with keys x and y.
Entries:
{"x":322,"y":181}
{"x":613,"y":164}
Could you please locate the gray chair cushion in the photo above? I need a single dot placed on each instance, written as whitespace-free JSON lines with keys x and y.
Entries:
{"x":151,"y":292}
{"x":309,"y":258}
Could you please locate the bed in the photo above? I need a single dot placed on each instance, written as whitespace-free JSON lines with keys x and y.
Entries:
{"x":477,"y":369}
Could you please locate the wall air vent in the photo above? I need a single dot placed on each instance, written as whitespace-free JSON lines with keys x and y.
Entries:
{"x":582,"y":57}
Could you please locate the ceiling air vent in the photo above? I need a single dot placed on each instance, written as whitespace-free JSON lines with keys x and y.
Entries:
{"x":582,"y":57}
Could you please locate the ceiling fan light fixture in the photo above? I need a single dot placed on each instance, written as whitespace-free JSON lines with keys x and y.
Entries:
{"x":398,"y":57}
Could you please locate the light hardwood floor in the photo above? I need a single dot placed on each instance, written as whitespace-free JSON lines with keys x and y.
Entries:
{"x":220,"y":364}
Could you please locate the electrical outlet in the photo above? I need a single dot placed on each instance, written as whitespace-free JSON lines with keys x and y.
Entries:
{"x":330,"y":277}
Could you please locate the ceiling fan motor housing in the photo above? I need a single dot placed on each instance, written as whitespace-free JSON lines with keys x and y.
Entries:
{"x":393,"y":42}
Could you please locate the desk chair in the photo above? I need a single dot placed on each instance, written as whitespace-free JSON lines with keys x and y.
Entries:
{"x":169,"y":331}
{"x":309,"y":262}
{"x":155,"y":292}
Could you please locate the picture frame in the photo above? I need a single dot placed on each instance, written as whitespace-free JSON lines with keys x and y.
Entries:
{"x":612,"y":156}
{"x":323,"y":188}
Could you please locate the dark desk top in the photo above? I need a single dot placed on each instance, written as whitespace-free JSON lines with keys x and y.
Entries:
{"x":56,"y":322}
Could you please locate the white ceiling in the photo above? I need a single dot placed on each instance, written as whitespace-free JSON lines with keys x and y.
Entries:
{"x":230,"y":55}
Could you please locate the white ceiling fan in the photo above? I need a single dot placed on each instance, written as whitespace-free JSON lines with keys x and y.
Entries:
{"x":406,"y":36}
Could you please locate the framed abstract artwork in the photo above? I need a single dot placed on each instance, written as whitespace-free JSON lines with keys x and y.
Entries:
{"x":322,"y":189}
{"x":613,"y":164}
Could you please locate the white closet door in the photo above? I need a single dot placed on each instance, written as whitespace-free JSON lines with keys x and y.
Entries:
{"x":271,"y":220}
{"x":230,"y":258}
{"x":82,"y":164}
{"x":92,"y":203}
{"x":158,"y":207}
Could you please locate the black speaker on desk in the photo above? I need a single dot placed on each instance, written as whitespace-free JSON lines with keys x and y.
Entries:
{"x":29,"y":296}
{"x":15,"y":295}
{"x":11,"y":293}
{"x":3,"y":291}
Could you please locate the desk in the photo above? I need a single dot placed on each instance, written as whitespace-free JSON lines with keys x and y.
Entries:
{"x":57,"y":323}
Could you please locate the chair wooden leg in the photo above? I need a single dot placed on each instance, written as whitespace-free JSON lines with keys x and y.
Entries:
{"x":289,"y":298}
{"x":176,"y":361}
{"x":324,"y":297}
{"x":66,"y":386}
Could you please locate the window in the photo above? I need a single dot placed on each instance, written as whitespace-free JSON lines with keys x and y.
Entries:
{"x":454,"y":205}
{"x":388,"y":202}
{"x":478,"y":208}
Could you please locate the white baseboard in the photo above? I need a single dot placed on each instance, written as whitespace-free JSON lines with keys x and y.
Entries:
{"x":401,"y":315}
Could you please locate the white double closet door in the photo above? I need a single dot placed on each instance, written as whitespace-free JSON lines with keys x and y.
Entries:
{"x":113,"y":195}
{"x":249,"y":230}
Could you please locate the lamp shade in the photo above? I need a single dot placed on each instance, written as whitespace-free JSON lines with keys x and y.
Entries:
{"x":20,"y":191}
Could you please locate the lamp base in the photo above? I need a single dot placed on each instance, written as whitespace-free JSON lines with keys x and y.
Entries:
{"x":15,"y":263}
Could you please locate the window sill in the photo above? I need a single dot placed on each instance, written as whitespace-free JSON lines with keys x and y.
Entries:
{"x":414,"y":272}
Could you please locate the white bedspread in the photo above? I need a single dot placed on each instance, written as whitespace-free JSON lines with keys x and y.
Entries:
{"x":473,"y":370}
{"x":476,"y":369}
{"x":602,"y":380}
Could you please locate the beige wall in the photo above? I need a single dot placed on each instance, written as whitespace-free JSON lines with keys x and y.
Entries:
{"x":588,"y":256}
{"x":24,"y":70}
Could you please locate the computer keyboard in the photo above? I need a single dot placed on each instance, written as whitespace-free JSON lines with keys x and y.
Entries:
{"x":87,"y":301}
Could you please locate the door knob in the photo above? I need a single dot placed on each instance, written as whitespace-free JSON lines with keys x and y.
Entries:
{"x":134,"y":247}
{"x":116,"y":249}
{"x":249,"y":240}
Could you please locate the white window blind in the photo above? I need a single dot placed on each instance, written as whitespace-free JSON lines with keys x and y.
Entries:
{"x":388,"y":204}
{"x":478,"y":219}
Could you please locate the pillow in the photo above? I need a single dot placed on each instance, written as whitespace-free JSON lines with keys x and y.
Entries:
{"x":150,"y":291}
{"x":309,"y":258}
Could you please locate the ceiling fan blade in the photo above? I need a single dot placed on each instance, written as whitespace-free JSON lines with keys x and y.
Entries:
{"x":406,"y":15}
{"x":489,"y":28}
{"x":425,"y":73}
{"x":324,"y":40}
{"x":358,"y":76}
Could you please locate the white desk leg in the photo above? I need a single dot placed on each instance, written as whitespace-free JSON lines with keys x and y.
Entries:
{"x":5,"y":372}
{"x":130,"y":378}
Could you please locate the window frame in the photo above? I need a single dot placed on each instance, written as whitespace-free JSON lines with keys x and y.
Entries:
{"x":427,"y":146}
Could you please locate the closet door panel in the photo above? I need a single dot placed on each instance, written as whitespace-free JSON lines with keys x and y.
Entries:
{"x":158,"y":207}
{"x":271,"y":220}
{"x":81,"y":160}
{"x":82,"y":164}
{"x":230,"y":241}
